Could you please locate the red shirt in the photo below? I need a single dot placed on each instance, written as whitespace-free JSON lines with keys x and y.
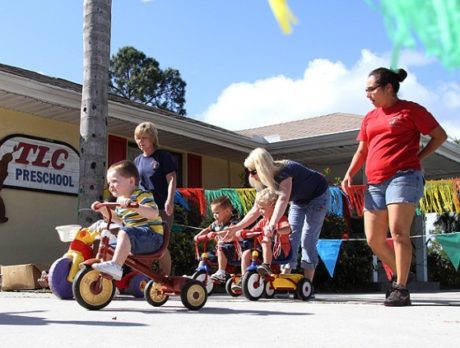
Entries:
{"x":393,"y":138}
{"x":284,"y":238}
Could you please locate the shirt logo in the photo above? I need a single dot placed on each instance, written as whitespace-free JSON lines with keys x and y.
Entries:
{"x":395,"y":121}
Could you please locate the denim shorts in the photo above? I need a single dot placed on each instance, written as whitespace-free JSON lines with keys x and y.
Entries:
{"x":404,"y":187}
{"x":143,"y":240}
{"x":229,"y":248}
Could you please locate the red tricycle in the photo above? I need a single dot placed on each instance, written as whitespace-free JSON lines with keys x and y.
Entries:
{"x":95,"y":290}
{"x":207,"y":263}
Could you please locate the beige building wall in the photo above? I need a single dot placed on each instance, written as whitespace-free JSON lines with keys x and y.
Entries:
{"x":220,"y":173}
{"x":29,"y":235}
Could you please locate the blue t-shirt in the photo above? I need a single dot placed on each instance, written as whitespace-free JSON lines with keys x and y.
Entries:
{"x":307,"y":184}
{"x":152,"y":173}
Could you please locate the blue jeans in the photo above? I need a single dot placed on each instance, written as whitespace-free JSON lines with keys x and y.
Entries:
{"x":306,"y":222}
{"x":143,"y":240}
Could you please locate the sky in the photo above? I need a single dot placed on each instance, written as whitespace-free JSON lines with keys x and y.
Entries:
{"x":241,"y":70}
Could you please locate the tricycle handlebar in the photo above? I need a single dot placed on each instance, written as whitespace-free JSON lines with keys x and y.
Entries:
{"x":115,"y":204}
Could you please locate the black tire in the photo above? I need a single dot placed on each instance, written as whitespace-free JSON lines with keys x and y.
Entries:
{"x":269,"y":290}
{"x":304,"y":289}
{"x":91,"y":290}
{"x":154,"y":294}
{"x":253,"y":286}
{"x":57,"y":278}
{"x":229,"y":290}
{"x":137,"y":285}
{"x":193,"y":295}
{"x":203,"y":276}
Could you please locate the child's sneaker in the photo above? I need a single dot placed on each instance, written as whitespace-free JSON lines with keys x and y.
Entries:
{"x":399,"y":297}
{"x":264,"y":269}
{"x":220,"y":276}
{"x":110,"y":268}
{"x":236,"y":286}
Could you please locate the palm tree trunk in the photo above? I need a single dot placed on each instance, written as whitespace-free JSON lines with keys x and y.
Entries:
{"x":94,"y":106}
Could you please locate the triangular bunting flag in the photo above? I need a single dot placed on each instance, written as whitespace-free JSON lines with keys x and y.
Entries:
{"x":328,"y":250}
{"x":450,"y":243}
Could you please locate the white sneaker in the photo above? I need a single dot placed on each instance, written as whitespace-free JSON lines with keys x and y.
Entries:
{"x":220,"y":276}
{"x":110,"y":268}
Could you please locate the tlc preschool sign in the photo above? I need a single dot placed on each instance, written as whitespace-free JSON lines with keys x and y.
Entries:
{"x":39,"y":164}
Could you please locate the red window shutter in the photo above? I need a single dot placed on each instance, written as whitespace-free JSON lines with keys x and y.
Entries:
{"x":194,"y":171}
{"x":117,"y":149}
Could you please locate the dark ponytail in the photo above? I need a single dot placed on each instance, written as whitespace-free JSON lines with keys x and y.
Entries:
{"x":384,"y":76}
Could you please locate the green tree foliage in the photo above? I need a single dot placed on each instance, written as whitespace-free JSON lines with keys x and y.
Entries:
{"x":139,"y":78}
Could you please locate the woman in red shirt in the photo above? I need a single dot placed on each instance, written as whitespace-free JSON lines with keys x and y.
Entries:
{"x":389,"y":145}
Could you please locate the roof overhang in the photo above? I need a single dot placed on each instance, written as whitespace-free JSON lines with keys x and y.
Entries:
{"x":60,"y":100}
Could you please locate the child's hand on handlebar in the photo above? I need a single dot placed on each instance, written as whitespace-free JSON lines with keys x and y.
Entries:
{"x":94,"y":206}
{"x":125,"y":202}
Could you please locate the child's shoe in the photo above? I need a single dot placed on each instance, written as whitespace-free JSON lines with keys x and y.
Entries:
{"x":236,"y":286}
{"x":264,"y":269}
{"x":398,"y":297}
{"x":220,"y":276}
{"x":110,"y":268}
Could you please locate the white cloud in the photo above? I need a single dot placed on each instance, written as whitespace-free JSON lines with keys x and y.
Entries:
{"x":327,"y":87}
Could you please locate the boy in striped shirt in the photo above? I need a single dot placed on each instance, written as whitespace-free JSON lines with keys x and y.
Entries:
{"x":142,"y":229}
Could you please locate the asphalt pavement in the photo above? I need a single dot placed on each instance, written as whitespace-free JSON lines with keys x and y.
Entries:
{"x":39,"y":319}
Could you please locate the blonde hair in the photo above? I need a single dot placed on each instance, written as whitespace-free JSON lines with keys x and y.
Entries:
{"x":147,"y":129}
{"x":262,"y":161}
{"x":266,"y":198}
{"x":126,"y":169}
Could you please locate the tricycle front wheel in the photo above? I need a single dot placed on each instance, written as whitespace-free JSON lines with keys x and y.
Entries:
{"x":91,"y":290}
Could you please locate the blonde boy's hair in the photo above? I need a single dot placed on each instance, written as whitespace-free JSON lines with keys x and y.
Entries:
{"x":262,"y":161}
{"x":147,"y":129}
{"x":126,"y":169}
{"x":266,"y":198}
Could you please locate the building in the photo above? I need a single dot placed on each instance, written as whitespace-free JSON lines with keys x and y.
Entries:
{"x":40,"y":118}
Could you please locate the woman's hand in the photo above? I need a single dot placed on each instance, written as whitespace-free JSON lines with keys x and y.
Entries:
{"x":346,"y":183}
{"x":269,"y":230}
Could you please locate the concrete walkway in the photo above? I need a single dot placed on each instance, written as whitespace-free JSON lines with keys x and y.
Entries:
{"x":39,"y":319}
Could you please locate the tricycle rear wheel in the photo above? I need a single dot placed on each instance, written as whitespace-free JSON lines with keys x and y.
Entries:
{"x":193,"y":295}
{"x":304,"y":289}
{"x":154,"y":294}
{"x":203,"y":276}
{"x":57,"y":278}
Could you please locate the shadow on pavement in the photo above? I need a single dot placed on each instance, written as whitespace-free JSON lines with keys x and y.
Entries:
{"x":19,"y":318}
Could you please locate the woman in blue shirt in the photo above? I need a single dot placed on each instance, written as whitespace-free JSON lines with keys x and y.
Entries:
{"x":307,"y":193}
